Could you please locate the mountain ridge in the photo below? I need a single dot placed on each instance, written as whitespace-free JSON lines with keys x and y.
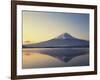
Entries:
{"x":63,"y":40}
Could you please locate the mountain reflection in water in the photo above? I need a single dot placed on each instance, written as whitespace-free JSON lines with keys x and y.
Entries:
{"x":54,"y":57}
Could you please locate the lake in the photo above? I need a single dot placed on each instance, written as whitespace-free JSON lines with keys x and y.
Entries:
{"x":54,"y":57}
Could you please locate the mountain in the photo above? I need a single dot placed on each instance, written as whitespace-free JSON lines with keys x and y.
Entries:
{"x":63,"y":40}
{"x":65,"y":36}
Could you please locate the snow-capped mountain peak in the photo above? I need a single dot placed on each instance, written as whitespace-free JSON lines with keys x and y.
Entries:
{"x":64,"y":36}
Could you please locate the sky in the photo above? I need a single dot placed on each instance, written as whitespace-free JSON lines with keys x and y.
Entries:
{"x":42,"y":26}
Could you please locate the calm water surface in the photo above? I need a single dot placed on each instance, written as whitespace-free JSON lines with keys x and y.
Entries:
{"x":54,"y":57}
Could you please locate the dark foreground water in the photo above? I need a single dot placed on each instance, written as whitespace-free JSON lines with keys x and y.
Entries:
{"x":54,"y":57}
